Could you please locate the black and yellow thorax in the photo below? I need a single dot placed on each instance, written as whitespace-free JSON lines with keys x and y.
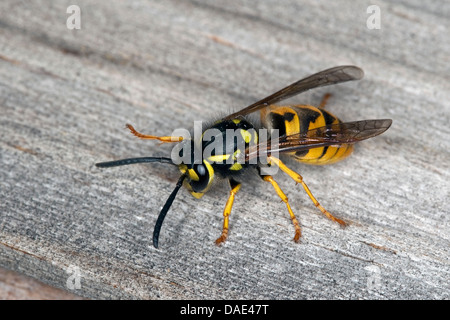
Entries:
{"x":231,"y":138}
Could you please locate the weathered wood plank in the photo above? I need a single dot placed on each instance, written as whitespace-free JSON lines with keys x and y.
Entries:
{"x":16,"y":286}
{"x":65,"y":96}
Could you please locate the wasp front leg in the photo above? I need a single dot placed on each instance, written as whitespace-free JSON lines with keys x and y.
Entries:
{"x":150,"y":137}
{"x":235,"y":186}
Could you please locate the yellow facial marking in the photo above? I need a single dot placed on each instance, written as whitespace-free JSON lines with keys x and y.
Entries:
{"x":193,"y":175}
{"x":210,"y":171}
{"x":197,"y":195}
{"x":182,"y":168}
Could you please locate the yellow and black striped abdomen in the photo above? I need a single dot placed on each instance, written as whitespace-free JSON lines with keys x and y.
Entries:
{"x":301,"y":118}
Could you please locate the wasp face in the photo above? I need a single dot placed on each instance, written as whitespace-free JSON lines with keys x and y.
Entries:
{"x":199,"y":173}
{"x":199,"y":177}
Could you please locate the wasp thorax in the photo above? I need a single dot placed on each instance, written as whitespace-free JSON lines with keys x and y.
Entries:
{"x":225,"y":143}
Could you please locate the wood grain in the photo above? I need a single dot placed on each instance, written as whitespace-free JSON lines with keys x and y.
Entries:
{"x":66,"y":95}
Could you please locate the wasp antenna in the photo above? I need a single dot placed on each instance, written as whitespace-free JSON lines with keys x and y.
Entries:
{"x":165,"y":209}
{"x":133,"y":161}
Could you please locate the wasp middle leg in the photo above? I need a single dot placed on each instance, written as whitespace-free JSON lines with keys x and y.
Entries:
{"x":284,"y":198}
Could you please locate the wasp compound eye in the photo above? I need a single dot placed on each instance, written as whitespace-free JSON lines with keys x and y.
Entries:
{"x":203,"y":180}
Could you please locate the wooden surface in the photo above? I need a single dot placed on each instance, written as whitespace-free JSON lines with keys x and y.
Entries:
{"x":16,"y":286}
{"x":65,"y":96}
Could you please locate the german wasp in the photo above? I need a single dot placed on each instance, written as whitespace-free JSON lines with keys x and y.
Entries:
{"x":232,"y":145}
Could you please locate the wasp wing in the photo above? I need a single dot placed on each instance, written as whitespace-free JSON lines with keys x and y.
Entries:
{"x":324,"y":78}
{"x":329,"y":135}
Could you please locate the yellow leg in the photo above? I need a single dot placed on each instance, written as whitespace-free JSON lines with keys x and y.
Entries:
{"x":146,"y":136}
{"x":235,"y":186}
{"x":299,"y":179}
{"x":324,"y":101}
{"x":283,"y":197}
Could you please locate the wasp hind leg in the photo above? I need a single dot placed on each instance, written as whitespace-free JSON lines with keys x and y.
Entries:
{"x":235,"y":186}
{"x":299,"y":179}
{"x":284,"y":198}
{"x":146,"y":136}
{"x":324,"y":101}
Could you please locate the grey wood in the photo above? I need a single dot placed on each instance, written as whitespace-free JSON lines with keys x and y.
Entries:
{"x":65,"y":96}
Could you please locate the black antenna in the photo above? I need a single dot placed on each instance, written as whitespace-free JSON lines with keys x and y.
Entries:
{"x":133,"y":161}
{"x":165,"y":209}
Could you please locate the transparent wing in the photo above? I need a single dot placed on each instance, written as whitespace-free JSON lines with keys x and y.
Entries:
{"x":330,"y":135}
{"x":324,"y":78}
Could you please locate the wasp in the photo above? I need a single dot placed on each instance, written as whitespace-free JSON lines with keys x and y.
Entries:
{"x":308,"y":134}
